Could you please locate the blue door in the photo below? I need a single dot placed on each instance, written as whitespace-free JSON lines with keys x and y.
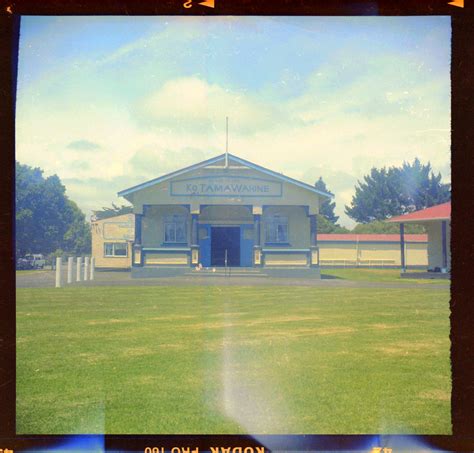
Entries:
{"x":204,"y":235}
{"x":246,"y":245}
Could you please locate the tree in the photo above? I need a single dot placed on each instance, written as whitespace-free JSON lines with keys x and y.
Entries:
{"x":325,"y":226}
{"x":381,"y":227}
{"x":327,"y":207}
{"x":113,"y":211}
{"x":46,"y":220}
{"x":77,"y":238}
{"x":385,"y":193}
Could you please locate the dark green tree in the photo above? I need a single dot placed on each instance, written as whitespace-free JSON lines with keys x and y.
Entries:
{"x":382,"y":227}
{"x":327,"y":207}
{"x":113,"y":211}
{"x":325,"y":226}
{"x":385,"y":193}
{"x":77,"y":239}
{"x":45,"y":218}
{"x":420,"y":187}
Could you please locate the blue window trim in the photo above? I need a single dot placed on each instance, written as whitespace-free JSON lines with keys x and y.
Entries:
{"x":268,"y":220}
{"x":185,"y":223}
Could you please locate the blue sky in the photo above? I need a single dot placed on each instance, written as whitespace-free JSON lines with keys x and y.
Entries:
{"x":108,"y":102}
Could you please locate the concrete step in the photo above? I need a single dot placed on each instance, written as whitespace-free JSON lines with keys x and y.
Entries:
{"x":197,"y":274}
{"x":235,"y":272}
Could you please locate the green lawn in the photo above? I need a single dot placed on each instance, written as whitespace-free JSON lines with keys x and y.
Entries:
{"x":233,"y":360}
{"x":377,"y":275}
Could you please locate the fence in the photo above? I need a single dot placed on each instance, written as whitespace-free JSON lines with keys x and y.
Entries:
{"x":358,"y":263}
{"x":84,"y":271}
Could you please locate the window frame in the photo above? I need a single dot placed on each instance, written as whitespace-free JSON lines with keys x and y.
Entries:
{"x":113,"y":244}
{"x":274,"y":221}
{"x":175,"y":220}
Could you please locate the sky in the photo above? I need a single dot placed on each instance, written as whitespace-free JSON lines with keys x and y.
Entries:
{"x":109,"y":102}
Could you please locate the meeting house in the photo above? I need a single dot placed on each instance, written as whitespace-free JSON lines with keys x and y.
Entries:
{"x":224,"y":212}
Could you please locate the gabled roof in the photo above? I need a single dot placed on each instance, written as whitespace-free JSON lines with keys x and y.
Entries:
{"x":213,"y":160}
{"x":438,"y":212}
{"x":370,"y":237}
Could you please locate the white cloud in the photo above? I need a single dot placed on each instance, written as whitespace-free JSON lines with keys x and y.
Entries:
{"x":191,"y":104}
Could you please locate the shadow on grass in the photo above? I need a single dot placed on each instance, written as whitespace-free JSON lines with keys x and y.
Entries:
{"x":331,"y":277}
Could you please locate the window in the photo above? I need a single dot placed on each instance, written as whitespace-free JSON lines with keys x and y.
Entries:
{"x":175,"y":229}
{"x":276,"y":229}
{"x":115,"y":249}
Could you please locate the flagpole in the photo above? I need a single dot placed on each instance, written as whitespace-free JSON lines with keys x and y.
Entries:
{"x":226,"y":142}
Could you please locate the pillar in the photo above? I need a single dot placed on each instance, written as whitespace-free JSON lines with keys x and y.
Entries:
{"x":138,"y":228}
{"x":137,"y":255}
{"x":78,"y":269}
{"x":86,"y":268}
{"x":257,"y":222}
{"x":402,"y":247}
{"x":92,"y":268}
{"x":313,"y":240}
{"x":194,"y":229}
{"x":70,"y":261}
{"x":257,"y":244}
{"x":58,"y":272}
{"x":194,"y":261}
{"x":444,"y":245}
{"x":313,"y":228}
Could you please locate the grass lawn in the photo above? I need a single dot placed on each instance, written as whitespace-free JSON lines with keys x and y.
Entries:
{"x":233,"y":360}
{"x":377,"y":275}
{"x":32,"y":271}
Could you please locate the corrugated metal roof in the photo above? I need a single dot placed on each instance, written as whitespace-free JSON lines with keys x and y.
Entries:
{"x":438,"y":212}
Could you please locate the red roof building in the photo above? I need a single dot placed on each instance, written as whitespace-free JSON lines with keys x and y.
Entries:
{"x":438,"y":212}
{"x":437,"y":223}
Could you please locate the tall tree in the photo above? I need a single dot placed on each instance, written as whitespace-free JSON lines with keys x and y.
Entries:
{"x":397,"y":190}
{"x":113,"y":211}
{"x":327,"y":207}
{"x":46,"y":220}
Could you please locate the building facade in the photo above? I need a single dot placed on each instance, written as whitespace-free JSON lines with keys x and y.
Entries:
{"x":112,"y":241}
{"x":225,"y":211}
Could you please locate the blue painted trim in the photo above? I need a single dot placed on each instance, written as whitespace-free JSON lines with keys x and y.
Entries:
{"x":402,"y":246}
{"x":166,"y":249}
{"x":138,"y":228}
{"x":205,"y":163}
{"x":174,"y":244}
{"x":280,"y":176}
{"x":285,"y":250}
{"x":229,"y":195}
{"x":277,"y":244}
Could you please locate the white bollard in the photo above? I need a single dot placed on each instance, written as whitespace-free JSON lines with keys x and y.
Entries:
{"x":78,"y":269}
{"x":86,"y":268}
{"x":70,"y":262}
{"x":58,"y":272}
{"x":92,"y":268}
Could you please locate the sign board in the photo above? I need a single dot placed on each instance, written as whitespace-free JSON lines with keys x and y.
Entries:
{"x":226,"y":186}
{"x":118,"y":231}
